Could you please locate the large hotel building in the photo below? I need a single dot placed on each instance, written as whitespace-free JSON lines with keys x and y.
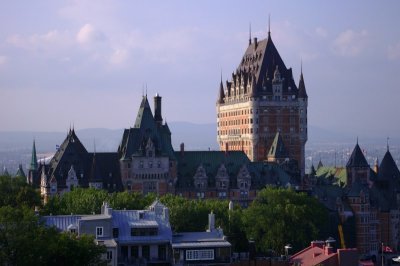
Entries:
{"x":261,"y":101}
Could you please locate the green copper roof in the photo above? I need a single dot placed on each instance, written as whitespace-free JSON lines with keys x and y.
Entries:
{"x":34,"y":164}
{"x":20,"y":172}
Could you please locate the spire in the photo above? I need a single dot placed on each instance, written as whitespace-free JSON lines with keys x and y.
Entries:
{"x":357,"y":158}
{"x":302,"y":86}
{"x":249,"y":33}
{"x":269,"y":25}
{"x":34,"y":165}
{"x":387,"y":143}
{"x":221,"y":95}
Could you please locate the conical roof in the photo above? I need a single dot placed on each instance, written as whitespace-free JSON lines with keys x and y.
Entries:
{"x":221,"y":95}
{"x":144,"y":118}
{"x":357,"y":158}
{"x":388,"y":168}
{"x":277,"y":149}
{"x":20,"y":172}
{"x":302,"y":87}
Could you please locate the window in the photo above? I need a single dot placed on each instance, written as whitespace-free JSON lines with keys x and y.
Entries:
{"x":203,"y":254}
{"x":134,"y":251}
{"x":109,"y":255}
{"x":73,"y":230}
{"x":115,"y":232}
{"x":99,"y":231}
{"x":146,"y":252}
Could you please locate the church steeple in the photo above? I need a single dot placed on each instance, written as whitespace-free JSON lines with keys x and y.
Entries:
{"x":34,"y":164}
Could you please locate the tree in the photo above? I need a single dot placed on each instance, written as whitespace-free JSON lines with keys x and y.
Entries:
{"x":14,"y":191}
{"x":25,"y":241}
{"x":280,"y":216}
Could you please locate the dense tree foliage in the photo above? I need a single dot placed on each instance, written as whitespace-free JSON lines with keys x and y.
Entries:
{"x":24,"y":241}
{"x":16,"y":192}
{"x":281,"y":216}
{"x":89,"y":200}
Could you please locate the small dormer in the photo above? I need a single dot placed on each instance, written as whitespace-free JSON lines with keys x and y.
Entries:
{"x":200,"y":178}
{"x":222,"y":178}
{"x":244,"y":179}
{"x":277,"y":85}
{"x":150,"y":150}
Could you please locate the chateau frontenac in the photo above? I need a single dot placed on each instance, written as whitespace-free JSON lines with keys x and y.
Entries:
{"x":259,"y":101}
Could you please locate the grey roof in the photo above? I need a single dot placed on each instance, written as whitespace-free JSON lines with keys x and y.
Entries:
{"x":62,"y":222}
{"x":214,"y":238}
{"x":124,"y":219}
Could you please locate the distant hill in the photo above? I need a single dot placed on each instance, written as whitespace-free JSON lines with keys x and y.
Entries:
{"x":195,"y":137}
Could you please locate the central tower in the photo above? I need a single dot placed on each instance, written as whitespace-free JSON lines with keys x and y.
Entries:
{"x":259,"y":101}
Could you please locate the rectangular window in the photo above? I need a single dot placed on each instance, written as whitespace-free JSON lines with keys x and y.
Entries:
{"x":146,"y":252}
{"x":202,"y":254}
{"x":115,"y":232}
{"x":99,"y":231}
{"x":109,"y":255}
{"x":134,"y":251}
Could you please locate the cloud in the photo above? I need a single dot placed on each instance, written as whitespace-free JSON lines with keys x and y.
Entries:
{"x":393,"y":51}
{"x":119,"y":56}
{"x":52,"y":40}
{"x":3,"y":60}
{"x":88,"y":34}
{"x":321,"y":32}
{"x":350,"y":43}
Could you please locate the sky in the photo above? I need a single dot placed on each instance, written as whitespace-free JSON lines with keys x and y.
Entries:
{"x":88,"y":63}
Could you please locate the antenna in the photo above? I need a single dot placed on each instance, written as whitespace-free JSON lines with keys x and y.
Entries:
{"x":269,"y":24}
{"x":387,"y":143}
{"x":249,"y":33}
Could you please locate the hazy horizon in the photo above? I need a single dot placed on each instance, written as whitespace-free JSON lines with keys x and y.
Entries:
{"x":89,"y":63}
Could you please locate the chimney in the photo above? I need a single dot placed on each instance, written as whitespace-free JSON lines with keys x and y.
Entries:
{"x":211,"y":222}
{"x":255,"y":43}
{"x":157,"y":109}
{"x":182,"y":148}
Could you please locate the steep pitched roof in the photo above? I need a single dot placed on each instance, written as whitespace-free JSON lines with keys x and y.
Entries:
{"x":71,"y":152}
{"x":356,"y":188}
{"x":388,"y":168}
{"x":260,"y":60}
{"x":135,"y":139}
{"x":277,"y":149}
{"x":302,"y":87}
{"x":20,"y":172}
{"x":357,"y":158}
{"x":189,"y":161}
